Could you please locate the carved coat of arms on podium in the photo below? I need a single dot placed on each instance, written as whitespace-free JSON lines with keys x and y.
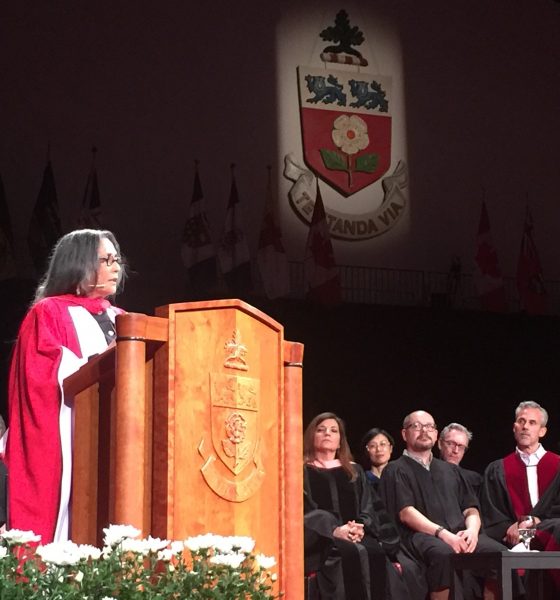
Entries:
{"x":235,"y":400}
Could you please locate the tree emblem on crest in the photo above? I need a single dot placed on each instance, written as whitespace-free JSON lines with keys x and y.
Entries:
{"x":345,"y":37}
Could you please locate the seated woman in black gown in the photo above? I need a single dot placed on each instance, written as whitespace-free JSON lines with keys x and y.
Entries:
{"x":377,"y":445}
{"x":350,"y":540}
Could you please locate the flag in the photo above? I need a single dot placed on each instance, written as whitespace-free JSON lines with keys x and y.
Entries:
{"x":321,"y":274}
{"x":487,"y":275}
{"x":271,"y":256}
{"x":44,"y":228}
{"x":90,"y":214}
{"x":197,"y":249}
{"x":234,"y":257}
{"x":530,"y":281}
{"x":7,"y":261}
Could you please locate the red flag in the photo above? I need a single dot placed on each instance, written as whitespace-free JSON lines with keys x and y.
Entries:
{"x":271,"y":256}
{"x":530,"y":281}
{"x":487,"y":276}
{"x":321,"y":274}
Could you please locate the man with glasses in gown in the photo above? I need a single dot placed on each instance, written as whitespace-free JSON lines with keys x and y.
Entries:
{"x":435,"y":508}
{"x":453,"y":443}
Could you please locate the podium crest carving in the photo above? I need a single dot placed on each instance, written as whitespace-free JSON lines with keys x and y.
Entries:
{"x":236,"y":352}
{"x":235,"y":437}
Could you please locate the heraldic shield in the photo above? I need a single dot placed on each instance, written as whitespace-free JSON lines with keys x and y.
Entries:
{"x":346,"y":126}
{"x":235,"y":425}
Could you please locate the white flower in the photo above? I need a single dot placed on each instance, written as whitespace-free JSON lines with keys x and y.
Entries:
{"x":350,"y":133}
{"x":265,"y":562}
{"x":86,"y":551}
{"x":116,"y":533}
{"x":166,"y":555}
{"x":222,"y":544}
{"x":155,"y":544}
{"x":194,"y":544}
{"x":17,"y":536}
{"x":177,"y":547}
{"x":79,"y":576}
{"x":61,"y":553}
{"x":3,"y":551}
{"x":136,"y":546}
{"x":241,"y":543}
{"x":108,"y":598}
{"x":232,"y":560}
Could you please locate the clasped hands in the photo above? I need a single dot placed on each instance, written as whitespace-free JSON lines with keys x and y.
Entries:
{"x":512,"y":534}
{"x":462,"y":542}
{"x":351,"y":531}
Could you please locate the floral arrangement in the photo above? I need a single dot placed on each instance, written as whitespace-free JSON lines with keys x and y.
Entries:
{"x":127,"y":568}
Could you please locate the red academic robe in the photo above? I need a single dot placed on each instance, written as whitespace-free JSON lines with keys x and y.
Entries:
{"x":56,"y":337}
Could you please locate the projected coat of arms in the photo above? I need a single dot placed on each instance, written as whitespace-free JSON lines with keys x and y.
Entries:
{"x":346,"y":126}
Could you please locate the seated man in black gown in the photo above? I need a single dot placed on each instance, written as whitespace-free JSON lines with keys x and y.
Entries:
{"x":434,"y":505}
{"x":453,"y":443}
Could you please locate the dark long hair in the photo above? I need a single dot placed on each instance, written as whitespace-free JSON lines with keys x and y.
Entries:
{"x":366,"y":462}
{"x":343,"y":453}
{"x":74,"y":262}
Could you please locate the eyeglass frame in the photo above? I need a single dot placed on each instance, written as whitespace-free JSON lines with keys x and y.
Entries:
{"x":417,"y":426}
{"x":455,"y":445}
{"x":110,"y":260}
{"x":377,"y":445}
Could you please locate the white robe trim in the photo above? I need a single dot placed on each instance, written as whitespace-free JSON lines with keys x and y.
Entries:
{"x":92,"y":341}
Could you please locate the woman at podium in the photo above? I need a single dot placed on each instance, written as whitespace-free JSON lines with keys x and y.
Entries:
{"x":350,"y":542}
{"x":70,"y":320}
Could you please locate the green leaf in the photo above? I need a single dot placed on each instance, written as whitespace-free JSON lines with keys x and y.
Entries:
{"x":367,"y":163}
{"x":333,"y":160}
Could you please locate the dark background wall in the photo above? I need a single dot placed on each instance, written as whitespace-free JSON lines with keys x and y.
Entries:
{"x":156,"y":85}
{"x":374,"y":365}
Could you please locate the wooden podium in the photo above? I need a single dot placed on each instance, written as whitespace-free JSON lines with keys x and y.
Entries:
{"x":192,"y":424}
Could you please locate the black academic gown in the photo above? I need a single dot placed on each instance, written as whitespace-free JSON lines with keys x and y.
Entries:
{"x":473,"y":478}
{"x":441,"y":494}
{"x":497,"y":510}
{"x":363,"y":570}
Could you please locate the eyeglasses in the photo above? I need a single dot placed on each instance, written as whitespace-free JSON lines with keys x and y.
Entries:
{"x":110,"y":259}
{"x":376,"y":446}
{"x":455,"y":445}
{"x":417,"y":426}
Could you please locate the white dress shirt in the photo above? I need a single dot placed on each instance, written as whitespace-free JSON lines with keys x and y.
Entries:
{"x":531,"y":461}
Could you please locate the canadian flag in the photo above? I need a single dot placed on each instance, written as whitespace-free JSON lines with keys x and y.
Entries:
{"x":487,"y":275}
{"x":271,"y":255}
{"x":321,"y":274}
{"x":530,"y":280}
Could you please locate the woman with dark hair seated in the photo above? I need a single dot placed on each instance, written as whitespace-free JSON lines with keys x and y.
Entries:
{"x":69,"y":321}
{"x":377,"y":445}
{"x":354,"y":548}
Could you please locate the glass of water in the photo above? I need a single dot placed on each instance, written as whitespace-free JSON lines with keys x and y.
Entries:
{"x":527,"y":530}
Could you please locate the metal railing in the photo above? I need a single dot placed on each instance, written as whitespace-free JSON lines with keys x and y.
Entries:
{"x":408,"y":287}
